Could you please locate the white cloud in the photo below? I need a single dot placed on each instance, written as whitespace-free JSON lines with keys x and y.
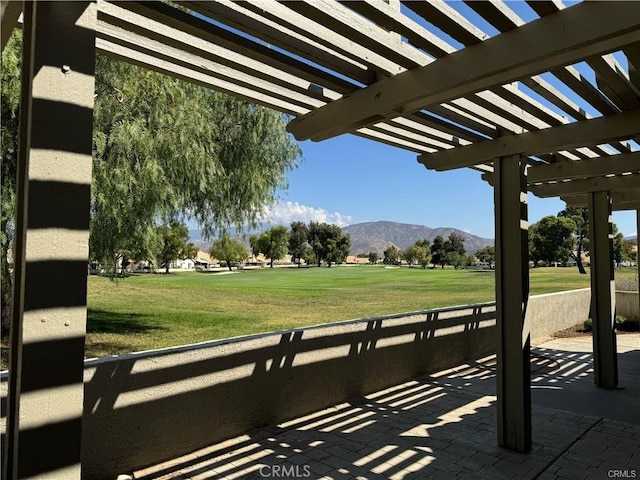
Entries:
{"x":466,"y":230}
{"x":287,"y":212}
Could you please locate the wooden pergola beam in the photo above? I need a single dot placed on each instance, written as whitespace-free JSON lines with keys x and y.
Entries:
{"x":575,"y":187}
{"x":619,"y":199}
{"x":626,"y":206}
{"x":593,"y":167}
{"x":563,"y":137}
{"x":562,"y":38}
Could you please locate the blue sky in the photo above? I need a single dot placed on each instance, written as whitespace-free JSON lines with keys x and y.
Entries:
{"x":349,"y":179}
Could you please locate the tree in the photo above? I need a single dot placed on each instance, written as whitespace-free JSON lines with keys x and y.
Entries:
{"x":552,"y":239}
{"x":328,"y":243}
{"x":337,"y":249}
{"x":409,"y":255}
{"x":229,"y":250}
{"x":580,"y":217}
{"x":487,"y":254}
{"x":174,"y":244}
{"x":455,"y":244}
{"x":163,"y":149}
{"x":423,"y":252}
{"x":416,"y":254}
{"x":438,"y":252}
{"x":533,"y":253}
{"x":391,"y":255}
{"x":298,"y":241}
{"x":373,"y":258}
{"x":309,"y":256}
{"x":455,"y":259}
{"x":9,"y":113}
{"x":622,"y":249}
{"x":272,"y":243}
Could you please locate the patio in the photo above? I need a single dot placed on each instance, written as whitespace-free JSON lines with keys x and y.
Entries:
{"x":460,"y":101}
{"x":443,"y":426}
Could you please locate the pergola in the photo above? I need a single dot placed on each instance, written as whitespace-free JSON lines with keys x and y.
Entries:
{"x":475,"y":86}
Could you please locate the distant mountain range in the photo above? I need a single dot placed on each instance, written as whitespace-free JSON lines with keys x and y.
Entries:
{"x":378,"y":236}
{"x":374,"y":236}
{"x":633,"y":239}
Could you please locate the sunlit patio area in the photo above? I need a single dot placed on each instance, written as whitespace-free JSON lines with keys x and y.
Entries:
{"x":443,"y":426}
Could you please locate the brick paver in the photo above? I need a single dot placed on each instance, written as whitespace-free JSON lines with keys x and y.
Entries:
{"x":428,"y":428}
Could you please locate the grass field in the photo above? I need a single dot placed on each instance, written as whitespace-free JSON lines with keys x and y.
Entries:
{"x":153,"y":311}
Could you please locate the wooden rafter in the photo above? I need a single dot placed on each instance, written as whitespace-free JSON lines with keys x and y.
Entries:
{"x":566,"y":37}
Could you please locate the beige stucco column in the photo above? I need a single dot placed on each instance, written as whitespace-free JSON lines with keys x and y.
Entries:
{"x":512,"y":292}
{"x":603,"y":297}
{"x":48,"y":327}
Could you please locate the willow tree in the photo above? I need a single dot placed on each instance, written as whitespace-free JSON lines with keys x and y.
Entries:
{"x":164,"y":149}
{"x":167,"y":149}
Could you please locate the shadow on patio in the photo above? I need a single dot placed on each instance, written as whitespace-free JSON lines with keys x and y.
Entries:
{"x":443,"y":426}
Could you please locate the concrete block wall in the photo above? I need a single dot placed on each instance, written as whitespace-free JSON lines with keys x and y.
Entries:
{"x":143,"y":408}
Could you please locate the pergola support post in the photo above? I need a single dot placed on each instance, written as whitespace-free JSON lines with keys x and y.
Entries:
{"x":48,"y":325}
{"x":605,"y":362}
{"x":512,"y":291}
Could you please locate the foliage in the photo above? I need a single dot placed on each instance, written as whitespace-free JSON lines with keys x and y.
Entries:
{"x":487,"y":254}
{"x":297,"y":243}
{"x":455,"y":259}
{"x":9,"y":113}
{"x":174,"y":243}
{"x":423,"y":252}
{"x":163,"y":149}
{"x":373,"y":258}
{"x":391,"y":255}
{"x":417,"y":254}
{"x":228,"y":250}
{"x":201,"y":154}
{"x":620,"y":323}
{"x":272,"y":243}
{"x":328,"y":242}
{"x":309,"y":256}
{"x":442,"y":249}
{"x":438,"y":252}
{"x":580,"y":217}
{"x":455,"y":244}
{"x":551,"y":239}
{"x":622,"y":249}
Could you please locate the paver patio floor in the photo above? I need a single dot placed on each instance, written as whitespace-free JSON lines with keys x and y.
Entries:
{"x":443,"y":426}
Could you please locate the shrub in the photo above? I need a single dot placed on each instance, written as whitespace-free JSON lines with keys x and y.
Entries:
{"x":620,"y":323}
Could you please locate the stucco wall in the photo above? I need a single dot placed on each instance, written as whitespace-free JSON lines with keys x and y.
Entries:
{"x":143,"y":408}
{"x":552,"y":312}
{"x":628,"y":305}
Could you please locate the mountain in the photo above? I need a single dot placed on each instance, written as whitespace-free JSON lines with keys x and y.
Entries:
{"x":633,"y":239}
{"x":371,"y":236}
{"x":377,"y":236}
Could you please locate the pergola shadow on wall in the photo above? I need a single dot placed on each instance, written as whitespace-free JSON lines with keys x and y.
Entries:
{"x":472,"y":87}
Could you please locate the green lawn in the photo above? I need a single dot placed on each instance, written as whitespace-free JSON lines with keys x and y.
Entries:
{"x":153,"y":311}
